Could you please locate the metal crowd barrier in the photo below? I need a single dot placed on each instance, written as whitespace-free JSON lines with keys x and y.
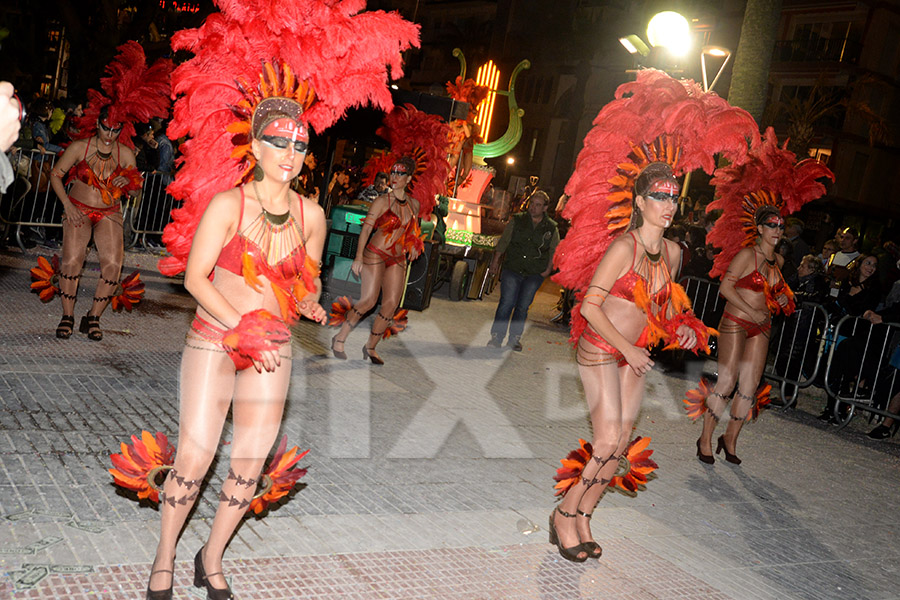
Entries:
{"x":706,"y":303}
{"x":796,"y":348}
{"x":30,"y":202}
{"x":859,"y":374}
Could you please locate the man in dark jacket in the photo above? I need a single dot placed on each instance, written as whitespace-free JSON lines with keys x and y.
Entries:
{"x":527,"y":247}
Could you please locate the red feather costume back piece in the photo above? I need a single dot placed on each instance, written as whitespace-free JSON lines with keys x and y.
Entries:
{"x":653,"y":118}
{"x":771,"y":175}
{"x":346,"y":58}
{"x":422,"y":136}
{"x":134,"y":93}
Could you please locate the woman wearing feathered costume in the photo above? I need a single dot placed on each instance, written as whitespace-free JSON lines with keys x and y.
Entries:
{"x":390,"y":236}
{"x":623,"y":196}
{"x":104,"y":172}
{"x":755,"y":198}
{"x":264,"y":71}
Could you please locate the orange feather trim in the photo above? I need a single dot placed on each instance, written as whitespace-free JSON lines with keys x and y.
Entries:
{"x":137,"y":459}
{"x":695,"y":400}
{"x":398,"y":324}
{"x":284,"y":474}
{"x":128,"y":293}
{"x":762,"y":401}
{"x":572,"y":466}
{"x":45,"y":278}
{"x":638,"y":456}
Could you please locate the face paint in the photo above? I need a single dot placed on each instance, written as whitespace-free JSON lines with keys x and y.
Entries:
{"x":399,"y":170}
{"x":774,"y":223}
{"x":663,"y":197}
{"x":110,"y":129}
{"x":287,"y":128}
{"x":666,"y":186}
{"x":281,"y":143}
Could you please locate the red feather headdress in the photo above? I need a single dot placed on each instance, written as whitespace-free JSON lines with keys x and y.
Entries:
{"x":134,"y":93}
{"x":423,"y":137}
{"x":654,"y":118}
{"x":770,"y":176}
{"x":347,"y":58}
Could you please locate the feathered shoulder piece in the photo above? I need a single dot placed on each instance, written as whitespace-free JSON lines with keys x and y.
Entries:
{"x":770,"y":176}
{"x":423,"y":137}
{"x":132,"y":91}
{"x":255,"y":49}
{"x":655,"y":118}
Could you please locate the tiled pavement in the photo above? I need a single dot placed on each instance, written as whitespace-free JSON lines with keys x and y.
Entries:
{"x":428,"y":477}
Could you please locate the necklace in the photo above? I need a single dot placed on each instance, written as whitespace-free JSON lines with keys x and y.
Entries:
{"x":652,"y":256}
{"x":270,"y":217}
{"x":399,"y":201}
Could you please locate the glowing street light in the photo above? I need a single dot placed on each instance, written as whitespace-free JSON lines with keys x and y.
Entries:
{"x":717,"y":52}
{"x":671,"y":31}
{"x":510,"y":161}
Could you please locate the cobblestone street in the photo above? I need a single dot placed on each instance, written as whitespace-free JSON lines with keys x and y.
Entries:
{"x":429,"y":477}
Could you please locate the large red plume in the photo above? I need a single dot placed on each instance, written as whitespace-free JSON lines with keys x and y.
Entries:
{"x":423,"y":137}
{"x":770,"y":176}
{"x":654,"y":118}
{"x":134,"y":93}
{"x":347,"y":56}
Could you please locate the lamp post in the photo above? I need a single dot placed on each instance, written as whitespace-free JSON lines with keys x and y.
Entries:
{"x":510,"y":161}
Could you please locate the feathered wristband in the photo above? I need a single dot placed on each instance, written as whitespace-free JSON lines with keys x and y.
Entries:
{"x":257,"y":332}
{"x":671,"y":327}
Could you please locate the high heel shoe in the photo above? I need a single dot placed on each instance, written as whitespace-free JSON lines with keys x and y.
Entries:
{"x":201,"y":579}
{"x":376,"y":360}
{"x":592,"y":548}
{"x":729,"y":457}
{"x":66,"y":327}
{"x":91,"y":326}
{"x":337,"y":353}
{"x":160,"y":594}
{"x":709,"y":459}
{"x":567,"y":553}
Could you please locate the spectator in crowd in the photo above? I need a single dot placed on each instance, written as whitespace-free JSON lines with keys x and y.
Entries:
{"x":828,"y":250}
{"x":839,"y":266}
{"x":808,"y":282}
{"x":40,"y":130}
{"x":74,"y":111}
{"x":792,"y":233}
{"x":378,"y":187}
{"x":789,"y":268}
{"x":145,"y":153}
{"x":165,"y":150}
{"x":527,"y":246}
{"x":307,"y":183}
{"x":338,"y":188}
{"x":889,"y":426}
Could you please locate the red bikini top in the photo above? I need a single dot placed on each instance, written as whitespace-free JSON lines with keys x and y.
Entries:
{"x":625,"y":286}
{"x":410,"y":237}
{"x":757,"y":282}
{"x":291,"y":278}
{"x":109,"y":193}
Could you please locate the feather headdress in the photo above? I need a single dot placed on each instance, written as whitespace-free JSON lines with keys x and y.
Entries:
{"x":656,"y":118}
{"x":770,"y":176}
{"x":132,"y":91}
{"x":423,"y":137}
{"x":344,"y":57}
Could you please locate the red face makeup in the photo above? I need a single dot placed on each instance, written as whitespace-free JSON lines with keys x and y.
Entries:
{"x":287,"y":128}
{"x":666,"y":186}
{"x":774,"y":222}
{"x":399,"y":170}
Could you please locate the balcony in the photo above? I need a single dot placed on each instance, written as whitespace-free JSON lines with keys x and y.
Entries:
{"x":818,"y":50}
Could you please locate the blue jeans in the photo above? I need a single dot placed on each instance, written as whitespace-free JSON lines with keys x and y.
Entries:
{"x":516,"y":294}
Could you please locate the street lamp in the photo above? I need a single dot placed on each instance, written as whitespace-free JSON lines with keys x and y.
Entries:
{"x":671,"y":31}
{"x":718,"y":52}
{"x":510,"y":161}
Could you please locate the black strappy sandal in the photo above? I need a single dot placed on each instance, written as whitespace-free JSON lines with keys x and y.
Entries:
{"x":66,"y":327}
{"x":91,"y":326}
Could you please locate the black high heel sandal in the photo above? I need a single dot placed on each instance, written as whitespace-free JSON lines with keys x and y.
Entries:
{"x":567,"y":553}
{"x":201,"y":579}
{"x":376,"y":360}
{"x":337,"y":354}
{"x":160,"y":594}
{"x":708,"y":459}
{"x":91,"y":326}
{"x":729,"y":457}
{"x":592,"y":548}
{"x":66,"y":327}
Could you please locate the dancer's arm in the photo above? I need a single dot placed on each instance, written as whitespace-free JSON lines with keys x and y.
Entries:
{"x":126,"y":159}
{"x":378,"y":208}
{"x":685,"y":333}
{"x":218,"y":224}
{"x":316,"y":229}
{"x":414,"y":206}
{"x":614,"y":264}
{"x":742,"y":263}
{"x":70,"y":157}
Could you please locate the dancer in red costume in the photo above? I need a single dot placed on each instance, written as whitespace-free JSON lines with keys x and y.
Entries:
{"x":104,"y":173}
{"x":623,"y":195}
{"x":755,"y":198}
{"x":251,"y":253}
{"x":390,"y":236}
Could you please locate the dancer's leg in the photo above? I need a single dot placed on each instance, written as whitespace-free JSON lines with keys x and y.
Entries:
{"x":732,"y":338}
{"x":111,"y":250}
{"x":370,"y":283}
{"x":631,"y":388}
{"x":206,"y":386}
{"x":752,"y":364}
{"x":602,"y":393}
{"x":393,"y":281}
{"x":258,"y":407}
{"x":74,"y":249}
